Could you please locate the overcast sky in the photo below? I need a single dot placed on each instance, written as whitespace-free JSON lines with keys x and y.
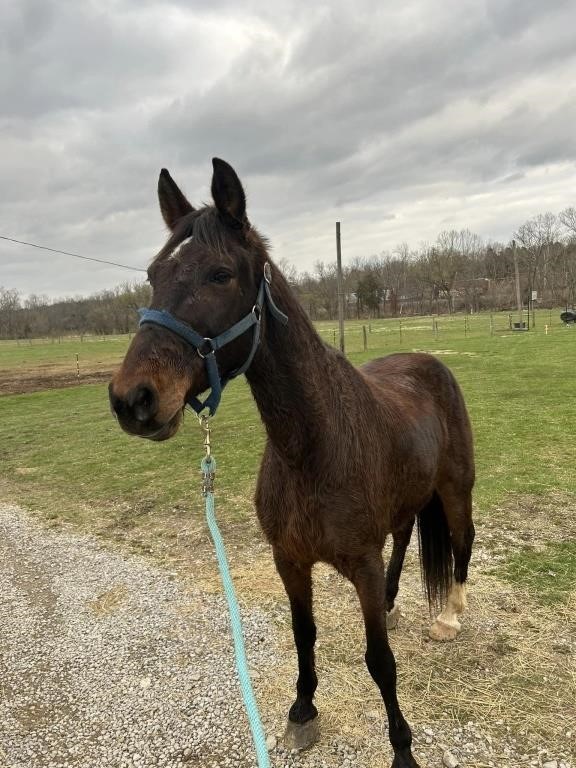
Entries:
{"x":398,"y":119}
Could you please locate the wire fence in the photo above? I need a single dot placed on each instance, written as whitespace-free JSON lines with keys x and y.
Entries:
{"x":84,"y":338}
{"x":366,"y":335}
{"x":365,"y":338}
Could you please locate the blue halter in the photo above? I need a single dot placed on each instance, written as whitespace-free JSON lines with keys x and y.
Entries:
{"x":206,"y":347}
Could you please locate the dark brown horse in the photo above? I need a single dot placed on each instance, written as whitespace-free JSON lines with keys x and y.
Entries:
{"x":352,"y":454}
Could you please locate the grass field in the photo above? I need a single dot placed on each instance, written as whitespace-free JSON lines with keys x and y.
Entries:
{"x":63,"y":456}
{"x":61,"y":447}
{"x":60,"y":354}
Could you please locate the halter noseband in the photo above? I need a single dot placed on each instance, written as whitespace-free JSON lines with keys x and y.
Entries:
{"x":206,"y":347}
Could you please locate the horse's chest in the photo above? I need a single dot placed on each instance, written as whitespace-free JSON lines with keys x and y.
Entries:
{"x":308,"y":523}
{"x":292,"y":521}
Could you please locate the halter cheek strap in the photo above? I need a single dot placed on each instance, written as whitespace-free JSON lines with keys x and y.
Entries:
{"x":206,"y":347}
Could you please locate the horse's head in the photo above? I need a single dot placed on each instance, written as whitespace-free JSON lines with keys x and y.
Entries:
{"x":207,"y":277}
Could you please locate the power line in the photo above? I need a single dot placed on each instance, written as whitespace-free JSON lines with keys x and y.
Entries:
{"x":68,"y":253}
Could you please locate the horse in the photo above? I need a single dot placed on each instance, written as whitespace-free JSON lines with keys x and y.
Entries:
{"x":352,"y":454}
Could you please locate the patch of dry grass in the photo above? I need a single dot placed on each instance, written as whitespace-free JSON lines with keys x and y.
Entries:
{"x":511,"y":671}
{"x":109,"y":602}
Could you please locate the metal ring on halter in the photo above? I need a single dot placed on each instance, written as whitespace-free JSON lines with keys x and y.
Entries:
{"x":268,"y":273}
{"x":211,"y":352}
{"x":257,"y":312}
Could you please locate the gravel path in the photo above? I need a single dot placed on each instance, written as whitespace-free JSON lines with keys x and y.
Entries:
{"x":106,"y":663}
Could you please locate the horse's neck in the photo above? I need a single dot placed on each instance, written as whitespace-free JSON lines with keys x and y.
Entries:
{"x":295,"y":379}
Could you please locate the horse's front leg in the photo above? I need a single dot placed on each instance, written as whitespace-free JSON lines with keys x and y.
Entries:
{"x":302,"y":729}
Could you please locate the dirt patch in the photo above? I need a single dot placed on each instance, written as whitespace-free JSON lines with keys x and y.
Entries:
{"x":36,"y":381}
{"x":441,"y":352}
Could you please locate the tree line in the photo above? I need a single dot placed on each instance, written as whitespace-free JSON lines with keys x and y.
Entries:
{"x":108,"y":312}
{"x":459,"y":272}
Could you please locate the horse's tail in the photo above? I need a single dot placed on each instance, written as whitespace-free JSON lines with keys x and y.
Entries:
{"x":436,"y":559}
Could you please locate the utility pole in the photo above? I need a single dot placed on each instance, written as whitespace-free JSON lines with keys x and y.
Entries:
{"x":340,"y":287}
{"x":518,"y":294}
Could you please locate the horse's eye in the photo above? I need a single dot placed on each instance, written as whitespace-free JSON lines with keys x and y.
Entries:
{"x":221,"y":277}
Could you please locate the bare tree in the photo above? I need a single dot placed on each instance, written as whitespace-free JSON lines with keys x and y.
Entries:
{"x":9,"y":311}
{"x":395,"y":270}
{"x":568,"y":219}
{"x":440,"y":265}
{"x":289,"y":271}
{"x":568,"y":258}
{"x":327,"y":287}
{"x":537,"y":237}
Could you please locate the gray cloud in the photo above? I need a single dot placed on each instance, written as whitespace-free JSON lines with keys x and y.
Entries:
{"x":73,"y":56}
{"x":396,"y":120}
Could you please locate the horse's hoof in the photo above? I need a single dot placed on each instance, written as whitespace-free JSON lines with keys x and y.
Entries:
{"x":404,"y":759}
{"x":303,"y":736}
{"x":443,"y":632}
{"x":393,"y":617}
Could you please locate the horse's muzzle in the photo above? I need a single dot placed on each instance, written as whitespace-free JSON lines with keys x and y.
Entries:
{"x":137,"y":412}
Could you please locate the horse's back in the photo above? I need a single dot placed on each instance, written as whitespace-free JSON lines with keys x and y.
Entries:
{"x":417,"y":366}
{"x":418,"y":386}
{"x":413,"y":376}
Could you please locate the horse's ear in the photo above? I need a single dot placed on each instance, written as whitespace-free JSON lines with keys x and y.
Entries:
{"x":228,"y":194}
{"x":173,"y":204}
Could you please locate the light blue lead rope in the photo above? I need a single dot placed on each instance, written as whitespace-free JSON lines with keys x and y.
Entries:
{"x":208,"y":467}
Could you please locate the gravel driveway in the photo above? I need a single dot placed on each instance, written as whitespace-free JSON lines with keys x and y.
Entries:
{"x":106,"y":663}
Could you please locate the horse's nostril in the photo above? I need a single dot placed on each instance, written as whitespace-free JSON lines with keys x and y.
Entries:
{"x":143,"y":403}
{"x":116,"y":402}
{"x":139,"y":405}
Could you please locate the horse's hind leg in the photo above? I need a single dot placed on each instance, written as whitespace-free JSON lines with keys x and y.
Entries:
{"x":302,"y":729}
{"x":458,"y":510}
{"x":401,"y":539}
{"x":367,"y":575}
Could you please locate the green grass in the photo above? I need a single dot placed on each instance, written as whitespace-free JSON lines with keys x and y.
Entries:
{"x":48,"y":353}
{"x":437,"y":330}
{"x":549,"y":575}
{"x":62,"y":453}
